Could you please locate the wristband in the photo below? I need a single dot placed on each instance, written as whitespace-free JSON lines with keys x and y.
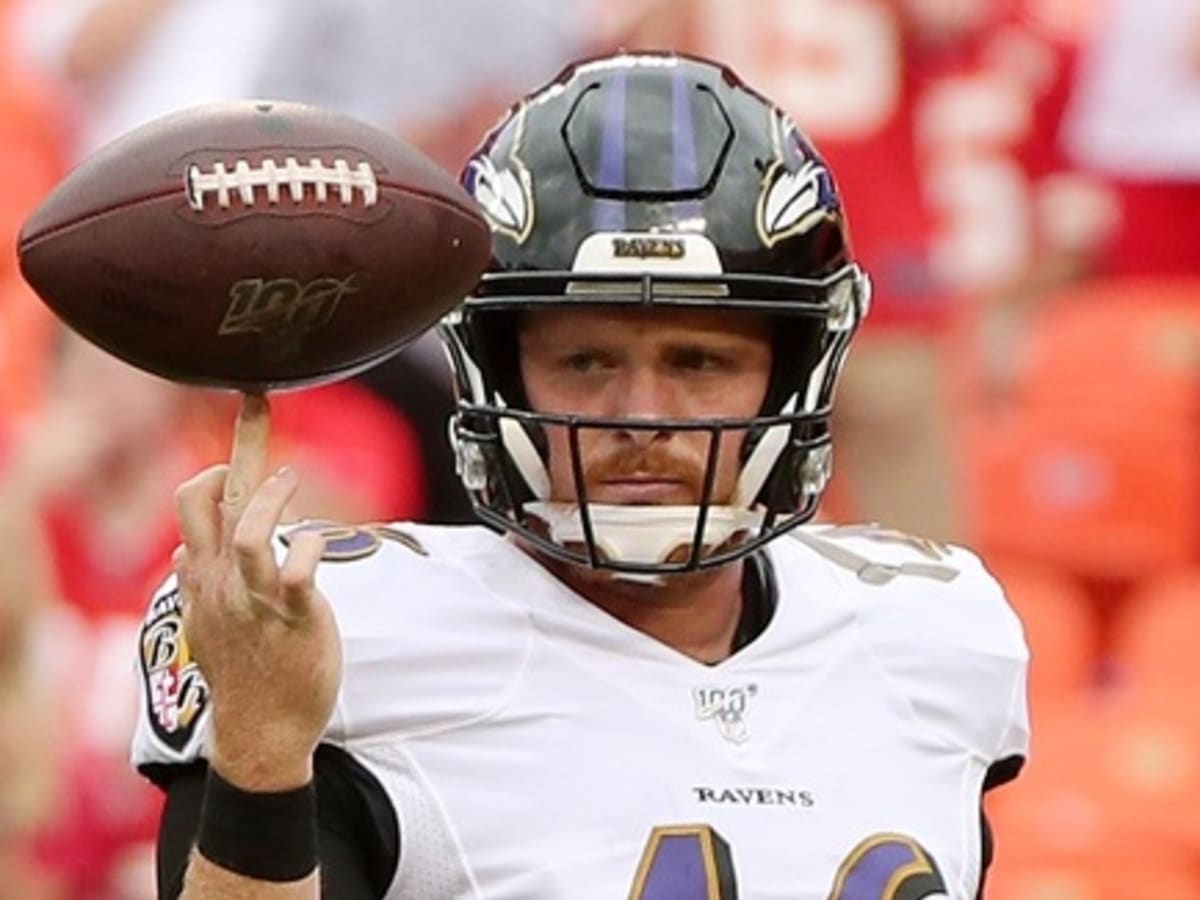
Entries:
{"x":266,"y":836}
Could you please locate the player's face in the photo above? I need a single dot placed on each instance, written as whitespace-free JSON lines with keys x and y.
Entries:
{"x":645,"y":364}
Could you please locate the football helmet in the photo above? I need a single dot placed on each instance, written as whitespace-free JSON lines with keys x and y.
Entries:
{"x":661,"y":180}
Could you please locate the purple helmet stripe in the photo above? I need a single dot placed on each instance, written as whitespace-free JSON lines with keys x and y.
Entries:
{"x":609,"y":215}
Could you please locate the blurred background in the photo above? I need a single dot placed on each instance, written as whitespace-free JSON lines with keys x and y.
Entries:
{"x":1023,"y":183}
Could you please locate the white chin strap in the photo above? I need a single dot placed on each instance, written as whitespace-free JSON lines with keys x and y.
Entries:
{"x":644,"y":535}
{"x":647,"y":535}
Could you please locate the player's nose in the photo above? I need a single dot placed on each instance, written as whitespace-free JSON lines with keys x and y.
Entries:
{"x":644,"y":394}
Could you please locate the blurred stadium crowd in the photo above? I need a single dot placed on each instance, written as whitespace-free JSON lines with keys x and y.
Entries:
{"x":1023,"y":182}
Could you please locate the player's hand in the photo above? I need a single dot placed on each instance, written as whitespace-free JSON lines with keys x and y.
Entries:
{"x":263,"y":636}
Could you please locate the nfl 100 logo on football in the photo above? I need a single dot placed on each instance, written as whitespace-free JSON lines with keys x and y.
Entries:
{"x":727,"y":708}
{"x":282,"y":304}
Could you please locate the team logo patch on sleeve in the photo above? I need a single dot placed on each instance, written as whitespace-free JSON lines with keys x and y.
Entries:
{"x":175,"y":691}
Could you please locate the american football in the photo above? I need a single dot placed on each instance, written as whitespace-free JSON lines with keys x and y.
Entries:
{"x":254,"y":245}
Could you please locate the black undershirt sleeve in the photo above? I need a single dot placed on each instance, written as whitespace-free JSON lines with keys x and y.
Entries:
{"x":998,"y":773}
{"x":358,"y":836}
{"x":987,"y":853}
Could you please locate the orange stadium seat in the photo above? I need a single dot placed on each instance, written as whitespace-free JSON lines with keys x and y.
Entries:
{"x":1094,"y":880}
{"x":1056,"y":812}
{"x":1108,"y":808}
{"x":1157,"y":639}
{"x":1093,"y":464}
{"x":1150,"y":762}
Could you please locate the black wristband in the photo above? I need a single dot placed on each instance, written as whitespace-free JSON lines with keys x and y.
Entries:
{"x":268,"y":836}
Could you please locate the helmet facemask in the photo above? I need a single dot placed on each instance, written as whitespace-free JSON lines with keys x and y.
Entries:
{"x":785,"y":455}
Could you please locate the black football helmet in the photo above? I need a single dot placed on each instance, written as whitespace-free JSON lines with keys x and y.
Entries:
{"x":654,"y":179}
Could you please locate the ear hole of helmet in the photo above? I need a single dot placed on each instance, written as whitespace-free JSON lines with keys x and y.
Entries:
{"x":493,"y":341}
{"x":501,"y":487}
{"x":798,"y":344}
{"x":492,"y":337}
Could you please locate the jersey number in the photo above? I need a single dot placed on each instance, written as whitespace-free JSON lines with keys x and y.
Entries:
{"x":693,"y":862}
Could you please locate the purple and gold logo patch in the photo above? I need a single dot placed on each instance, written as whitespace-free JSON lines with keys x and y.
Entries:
{"x":175,"y":691}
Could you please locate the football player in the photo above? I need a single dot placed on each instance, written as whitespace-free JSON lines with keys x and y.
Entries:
{"x":639,"y":677}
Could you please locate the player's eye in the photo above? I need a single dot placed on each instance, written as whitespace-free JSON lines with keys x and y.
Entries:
{"x":700,"y":359}
{"x":585,"y":361}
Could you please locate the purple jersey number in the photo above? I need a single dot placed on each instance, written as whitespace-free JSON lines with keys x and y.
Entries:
{"x":693,"y":862}
{"x":685,"y":862}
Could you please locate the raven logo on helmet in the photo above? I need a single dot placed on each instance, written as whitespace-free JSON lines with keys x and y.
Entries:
{"x":505,"y":194}
{"x":796,"y":193}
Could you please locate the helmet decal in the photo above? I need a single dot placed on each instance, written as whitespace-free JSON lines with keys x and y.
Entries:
{"x":635,"y":252}
{"x":797,"y":192}
{"x":505,"y":194}
{"x":791,"y":202}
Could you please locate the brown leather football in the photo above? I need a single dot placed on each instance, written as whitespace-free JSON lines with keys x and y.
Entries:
{"x":254,"y":245}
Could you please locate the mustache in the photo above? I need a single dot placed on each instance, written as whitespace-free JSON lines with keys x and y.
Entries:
{"x":655,"y":461}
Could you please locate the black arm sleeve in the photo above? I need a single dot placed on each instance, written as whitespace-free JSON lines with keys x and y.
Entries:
{"x":1000,"y":772}
{"x":359,"y":838}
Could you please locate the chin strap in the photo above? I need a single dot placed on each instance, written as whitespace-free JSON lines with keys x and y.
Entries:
{"x":644,"y":535}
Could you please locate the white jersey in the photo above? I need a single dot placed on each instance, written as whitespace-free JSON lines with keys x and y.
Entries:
{"x":535,"y":748}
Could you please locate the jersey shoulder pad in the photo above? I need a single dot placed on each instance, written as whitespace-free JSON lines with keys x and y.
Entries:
{"x":426,"y":642}
{"x":429,"y":639}
{"x":884,"y":569}
{"x":939,"y":625}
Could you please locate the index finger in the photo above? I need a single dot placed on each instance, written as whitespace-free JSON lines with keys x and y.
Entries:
{"x":248,"y":459}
